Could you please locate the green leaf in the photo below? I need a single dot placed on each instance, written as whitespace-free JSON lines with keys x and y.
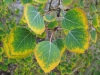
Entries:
{"x":66,"y":2}
{"x":1,"y":58}
{"x":4,"y":67}
{"x":1,"y":26}
{"x":81,"y":3}
{"x":47,"y":55}
{"x":12,"y":60}
{"x":8,"y":51}
{"x":1,"y":33}
{"x":52,"y":25}
{"x":1,"y":51}
{"x":93,"y":8}
{"x":6,"y":61}
{"x":77,"y":40}
{"x":34,"y":19}
{"x":98,"y":29}
{"x":95,"y":21}
{"x":26,"y":1}
{"x":74,"y":18}
{"x":41,"y":9}
{"x":43,"y":35}
{"x":32,"y":73}
{"x":63,"y":72}
{"x":21,"y":41}
{"x":29,"y":59}
{"x":49,"y":17}
{"x":53,"y":73}
{"x":7,"y":2}
{"x":41,"y":1}
{"x":61,"y":45}
{"x":94,"y":36}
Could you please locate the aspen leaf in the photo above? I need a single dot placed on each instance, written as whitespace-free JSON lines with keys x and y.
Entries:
{"x":34,"y":19}
{"x":7,"y":2}
{"x":1,"y":33}
{"x":26,"y":1}
{"x":61,"y":45}
{"x":94,"y":36}
{"x":28,"y":59}
{"x":74,"y":18}
{"x":41,"y":1}
{"x":8,"y":52}
{"x":1,"y":26}
{"x":77,"y":40}
{"x":81,"y":3}
{"x":66,"y":2}
{"x":47,"y":55}
{"x":98,"y":29}
{"x":1,"y":58}
{"x":52,"y":25}
{"x":93,"y":8}
{"x":43,"y":35}
{"x":49,"y":17}
{"x":95,"y":21}
{"x":21,"y":41}
{"x":1,"y":50}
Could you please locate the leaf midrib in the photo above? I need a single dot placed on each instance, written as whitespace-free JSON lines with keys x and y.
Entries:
{"x":23,"y":39}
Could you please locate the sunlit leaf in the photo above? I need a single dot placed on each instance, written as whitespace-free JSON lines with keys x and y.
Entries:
{"x":41,"y":1}
{"x":66,"y":2}
{"x":8,"y":51}
{"x":43,"y":35}
{"x":41,"y":8}
{"x":31,"y":73}
{"x":93,"y":8}
{"x":49,"y":17}
{"x":98,"y":29}
{"x":26,"y":1}
{"x":61,"y":45}
{"x":94,"y":36}
{"x":81,"y":3}
{"x":4,"y":67}
{"x":6,"y":62}
{"x":95,"y":21}
{"x":52,"y":25}
{"x":1,"y":50}
{"x":34,"y":19}
{"x":47,"y":55}
{"x":28,"y":59}
{"x":21,"y":41}
{"x":1,"y":58}
{"x":7,"y":2}
{"x":77,"y":40}
{"x":1,"y":33}
{"x":1,"y":26}
{"x":74,"y":18}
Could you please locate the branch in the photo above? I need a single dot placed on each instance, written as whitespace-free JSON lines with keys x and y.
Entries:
{"x":51,"y":36}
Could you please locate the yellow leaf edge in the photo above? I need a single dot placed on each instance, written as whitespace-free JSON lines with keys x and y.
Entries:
{"x":37,"y":31}
{"x":41,"y":63}
{"x":40,"y":1}
{"x":8,"y":53}
{"x":86,"y":46}
{"x":83,"y":14}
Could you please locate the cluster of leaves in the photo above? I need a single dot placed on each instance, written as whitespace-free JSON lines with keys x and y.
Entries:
{"x":48,"y":36}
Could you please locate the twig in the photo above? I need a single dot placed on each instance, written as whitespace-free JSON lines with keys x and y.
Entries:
{"x":51,"y":36}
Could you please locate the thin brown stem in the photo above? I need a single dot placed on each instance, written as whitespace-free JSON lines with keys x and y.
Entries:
{"x":51,"y":36}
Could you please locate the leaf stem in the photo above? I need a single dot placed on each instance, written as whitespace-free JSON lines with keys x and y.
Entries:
{"x":51,"y":36}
